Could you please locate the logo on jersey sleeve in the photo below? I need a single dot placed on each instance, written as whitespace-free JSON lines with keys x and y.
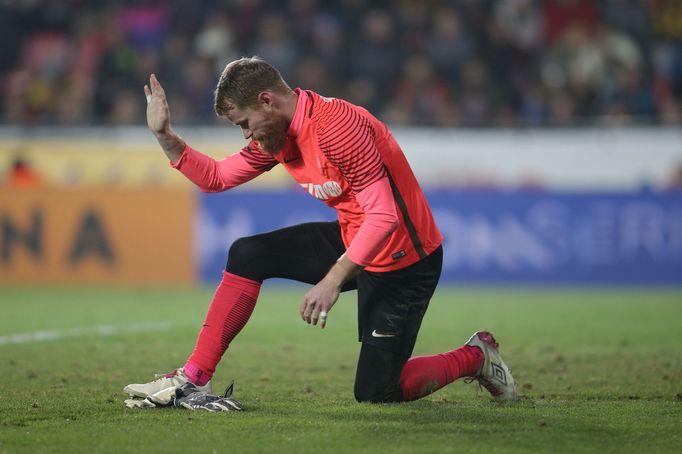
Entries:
{"x":324,"y":191}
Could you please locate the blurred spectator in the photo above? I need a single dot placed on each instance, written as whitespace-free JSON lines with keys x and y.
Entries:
{"x":199,"y":78}
{"x":302,"y":16}
{"x":146,"y":24}
{"x":449,"y":44}
{"x":667,"y":18}
{"x":560,"y":15}
{"x":630,"y":17}
{"x":519,"y":23}
{"x":215,"y":40}
{"x":413,"y":19}
{"x":533,"y":110}
{"x":275,"y":43}
{"x":581,"y":67}
{"x":328,"y":46}
{"x":127,"y":108}
{"x":374,"y":54}
{"x":476,"y":96}
{"x":516,"y":40}
{"x":312,"y":74}
{"x":420,"y":98}
{"x":364,"y":92}
{"x":423,"y":62}
{"x":562,"y":109}
{"x":630,"y":97}
{"x":21,"y":175}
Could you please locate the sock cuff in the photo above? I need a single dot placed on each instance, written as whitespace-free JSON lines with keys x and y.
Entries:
{"x":240,"y":282}
{"x":195,"y":374}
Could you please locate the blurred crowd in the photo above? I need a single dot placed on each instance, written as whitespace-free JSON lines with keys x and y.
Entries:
{"x":419,"y":62}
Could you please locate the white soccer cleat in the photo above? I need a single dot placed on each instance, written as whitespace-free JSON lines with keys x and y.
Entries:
{"x":164,"y":385}
{"x":494,"y":375}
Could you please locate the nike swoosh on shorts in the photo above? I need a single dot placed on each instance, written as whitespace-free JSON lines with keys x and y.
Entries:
{"x":376,"y":334}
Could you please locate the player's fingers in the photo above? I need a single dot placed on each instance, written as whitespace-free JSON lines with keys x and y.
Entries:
{"x":304,"y":307}
{"x":323,"y":319}
{"x":315,"y":315}
{"x":301,"y":309}
{"x":307,"y":310}
{"x":147,"y":94}
{"x":156,"y":85}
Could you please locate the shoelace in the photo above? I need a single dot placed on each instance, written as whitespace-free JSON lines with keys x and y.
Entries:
{"x":483,"y":383}
{"x":470,"y":380}
{"x":158,"y":376}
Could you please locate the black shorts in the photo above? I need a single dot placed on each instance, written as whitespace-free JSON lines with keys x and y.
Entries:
{"x":391,"y":304}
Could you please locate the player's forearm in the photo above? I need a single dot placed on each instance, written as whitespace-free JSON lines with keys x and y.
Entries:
{"x":381,"y":220}
{"x":211,"y":175}
{"x":171,"y":143}
{"x":343,"y":270}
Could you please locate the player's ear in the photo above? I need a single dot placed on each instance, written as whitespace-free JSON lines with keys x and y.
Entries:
{"x":266,"y":100}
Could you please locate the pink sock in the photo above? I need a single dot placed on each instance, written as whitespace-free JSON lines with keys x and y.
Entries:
{"x":423,"y":375}
{"x":230,"y":309}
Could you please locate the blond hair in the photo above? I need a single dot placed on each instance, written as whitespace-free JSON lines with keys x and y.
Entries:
{"x":243,"y":80}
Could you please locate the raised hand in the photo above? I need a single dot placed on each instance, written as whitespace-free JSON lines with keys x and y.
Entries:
{"x":158,"y":120}
{"x":158,"y":114}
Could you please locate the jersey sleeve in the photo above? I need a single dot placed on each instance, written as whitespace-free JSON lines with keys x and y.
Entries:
{"x":347,"y":139}
{"x":211,"y":175}
{"x":381,"y":219}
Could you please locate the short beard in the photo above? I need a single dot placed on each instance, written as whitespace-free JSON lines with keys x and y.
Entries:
{"x":274,"y":136}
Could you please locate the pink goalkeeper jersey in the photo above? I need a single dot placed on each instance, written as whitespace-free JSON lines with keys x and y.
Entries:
{"x":335,"y":150}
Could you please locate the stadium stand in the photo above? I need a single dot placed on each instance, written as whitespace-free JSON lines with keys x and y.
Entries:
{"x":436,"y":63}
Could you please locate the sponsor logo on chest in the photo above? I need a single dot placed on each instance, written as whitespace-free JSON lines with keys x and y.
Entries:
{"x":324,"y":191}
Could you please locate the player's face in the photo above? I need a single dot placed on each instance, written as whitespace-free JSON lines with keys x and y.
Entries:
{"x":266,"y":125}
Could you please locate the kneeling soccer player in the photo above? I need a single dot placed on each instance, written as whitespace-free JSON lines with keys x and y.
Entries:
{"x":385,"y":243}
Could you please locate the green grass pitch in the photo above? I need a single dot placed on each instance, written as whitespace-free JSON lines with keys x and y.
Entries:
{"x":598,"y":371}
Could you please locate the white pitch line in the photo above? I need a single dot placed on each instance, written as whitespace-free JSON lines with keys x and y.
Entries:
{"x":99,"y":330}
